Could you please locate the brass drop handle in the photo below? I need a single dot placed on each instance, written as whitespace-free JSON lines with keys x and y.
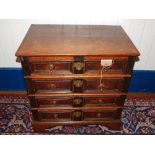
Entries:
{"x":78,"y":83}
{"x":51,"y":67}
{"x":77,"y":101}
{"x":53,"y":86}
{"x":78,"y":66}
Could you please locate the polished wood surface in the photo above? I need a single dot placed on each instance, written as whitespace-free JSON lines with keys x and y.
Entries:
{"x":74,"y":76}
{"x":43,"y":40}
{"x":65,"y":80}
{"x":72,"y":102}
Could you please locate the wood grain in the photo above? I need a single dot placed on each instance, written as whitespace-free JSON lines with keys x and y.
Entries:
{"x":48,"y":40}
{"x":62,"y":70}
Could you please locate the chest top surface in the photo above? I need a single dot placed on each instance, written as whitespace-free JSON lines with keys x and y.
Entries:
{"x":48,"y":40}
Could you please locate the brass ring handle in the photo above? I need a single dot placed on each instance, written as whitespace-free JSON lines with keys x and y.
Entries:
{"x":78,"y":65}
{"x":51,"y":67}
{"x":78,"y":83}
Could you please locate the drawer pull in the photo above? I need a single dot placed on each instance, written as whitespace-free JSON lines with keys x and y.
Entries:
{"x":56,"y":116}
{"x":101,"y":87}
{"x":53,"y":86}
{"x":78,"y":83}
{"x":99,"y":115}
{"x":54,"y":102}
{"x":51,"y":67}
{"x":79,"y":66}
{"x":100,"y":101}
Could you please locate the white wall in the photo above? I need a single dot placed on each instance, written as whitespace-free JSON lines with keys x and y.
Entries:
{"x":141,"y":32}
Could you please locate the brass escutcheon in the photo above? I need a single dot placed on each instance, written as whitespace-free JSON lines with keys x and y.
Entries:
{"x":78,"y":65}
{"x":77,"y":114}
{"x":77,"y":101}
{"x":78,"y":83}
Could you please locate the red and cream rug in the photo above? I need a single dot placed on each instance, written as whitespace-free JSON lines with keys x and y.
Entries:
{"x":138,"y":117}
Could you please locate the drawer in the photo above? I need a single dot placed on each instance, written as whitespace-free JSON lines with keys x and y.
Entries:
{"x":51,"y":67}
{"x":76,"y":115}
{"x":79,"y":115}
{"x":103,"y":101}
{"x":77,"y":85}
{"x":77,"y":101}
{"x":96,"y":115}
{"x":99,"y":86}
{"x":118,"y":66}
{"x":55,"y":116}
{"x":52,"y":86}
{"x":71,"y":66}
{"x":51,"y":102}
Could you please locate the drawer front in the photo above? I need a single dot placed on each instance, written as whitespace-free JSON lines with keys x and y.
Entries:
{"x":77,"y":67}
{"x":102,"y":101}
{"x":52,"y":102}
{"x":101,"y":114}
{"x":77,"y":101}
{"x":118,"y":66}
{"x":79,"y":115}
{"x":99,"y":86}
{"x":50,"y":67}
{"x":52,"y":86}
{"x":76,"y":115}
{"x":78,"y":85}
{"x":55,"y":116}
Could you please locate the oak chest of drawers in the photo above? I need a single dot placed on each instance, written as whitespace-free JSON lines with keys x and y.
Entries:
{"x":76,"y":75}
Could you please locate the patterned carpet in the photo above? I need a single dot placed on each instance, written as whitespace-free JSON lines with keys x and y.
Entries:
{"x":138,"y":117}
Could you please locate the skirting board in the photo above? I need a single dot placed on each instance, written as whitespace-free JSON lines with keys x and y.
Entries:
{"x":11,"y":79}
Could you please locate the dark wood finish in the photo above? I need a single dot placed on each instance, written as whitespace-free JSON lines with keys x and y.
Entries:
{"x":77,"y":114}
{"x":77,"y":85}
{"x":51,"y":66}
{"x":65,"y":81}
{"x":76,"y":101}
